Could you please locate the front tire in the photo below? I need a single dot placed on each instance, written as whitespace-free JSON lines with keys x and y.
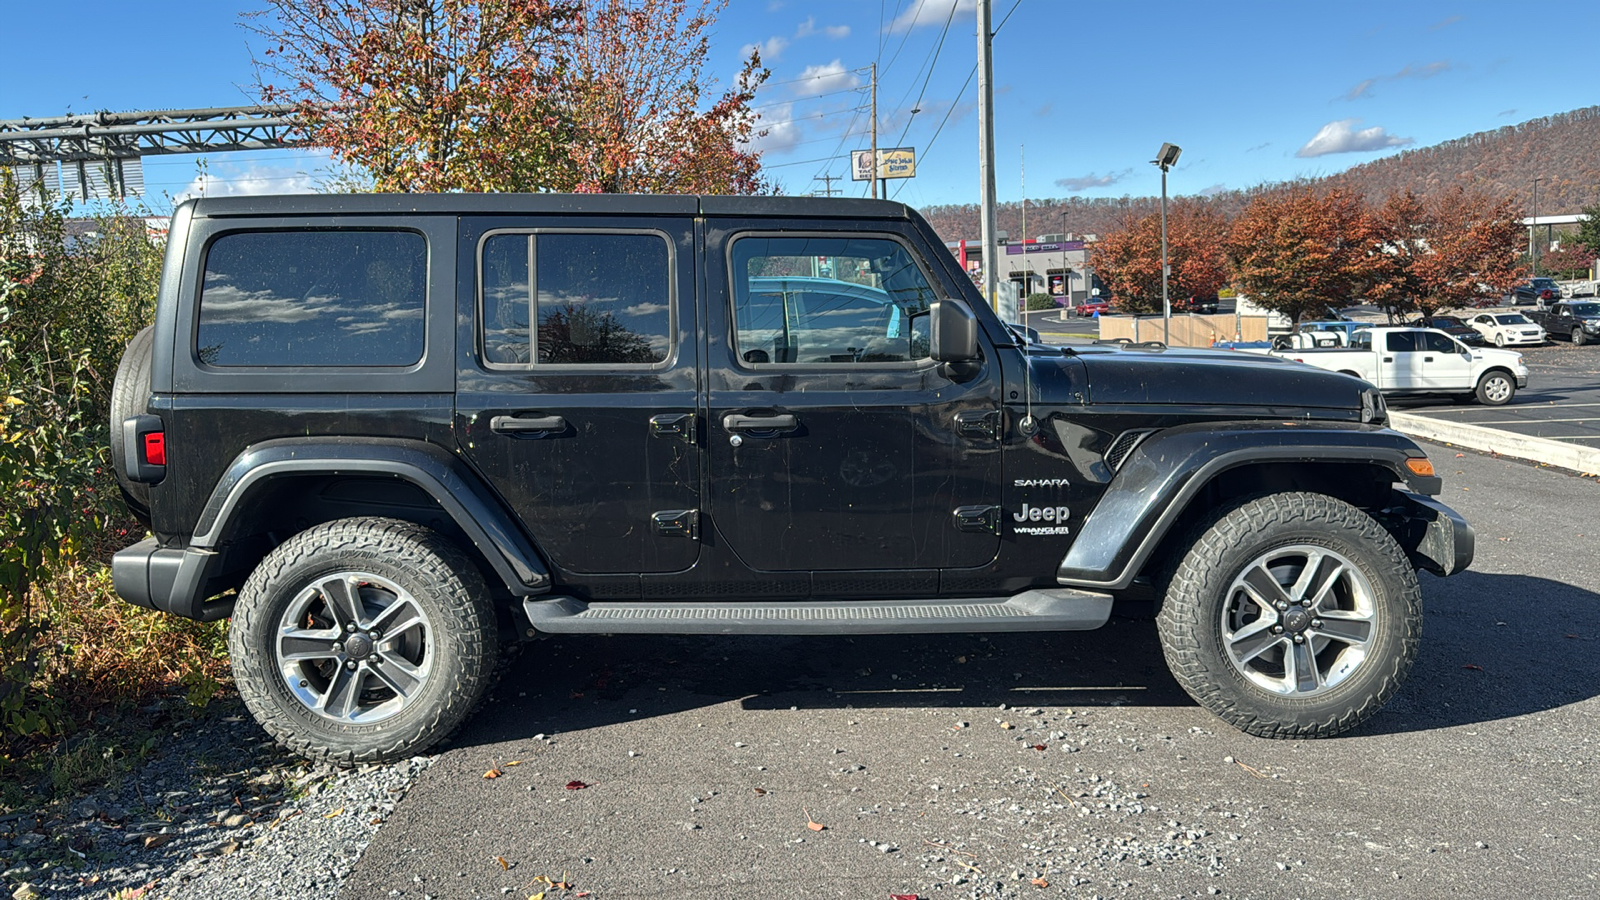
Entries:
{"x":362,"y":640}
{"x":1579,"y":338}
{"x":1294,"y":615}
{"x":1499,"y":339}
{"x":1496,"y":389}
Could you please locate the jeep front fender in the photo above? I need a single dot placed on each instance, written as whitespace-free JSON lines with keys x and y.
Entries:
{"x":1156,"y":483}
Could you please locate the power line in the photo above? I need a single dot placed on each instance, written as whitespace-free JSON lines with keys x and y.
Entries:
{"x":953,"y":103}
{"x":917,"y":107}
{"x":848,"y":90}
{"x":855,"y":71}
{"x":826,"y":112}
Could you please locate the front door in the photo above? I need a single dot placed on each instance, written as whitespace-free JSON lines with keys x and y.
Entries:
{"x":577,"y":386}
{"x":1446,"y":365}
{"x":835,"y":443}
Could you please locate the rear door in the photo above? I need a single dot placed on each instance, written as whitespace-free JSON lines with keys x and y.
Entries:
{"x":1401,"y":361}
{"x":577,"y":397}
{"x":835,"y":442}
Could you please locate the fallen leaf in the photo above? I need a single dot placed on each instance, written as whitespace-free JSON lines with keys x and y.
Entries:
{"x":335,"y":813}
{"x":1460,"y":455}
{"x":961,"y":660}
{"x":576,"y":785}
{"x":761,"y":791}
{"x":1473,"y":667}
{"x":1251,"y":769}
{"x":538,"y":896}
{"x":493,"y":773}
{"x":1038,"y":882}
{"x":504,"y":866}
{"x":514,"y":762}
{"x":1040,"y":747}
{"x":814,"y":826}
{"x":1006,"y":726}
{"x":1572,"y":637}
{"x":903,"y":897}
{"x":153,"y":841}
{"x":376,"y":821}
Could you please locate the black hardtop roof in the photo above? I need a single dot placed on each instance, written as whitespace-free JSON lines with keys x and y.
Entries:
{"x":562,"y":204}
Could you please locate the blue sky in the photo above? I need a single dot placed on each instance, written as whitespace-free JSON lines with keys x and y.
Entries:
{"x":1252,"y":91}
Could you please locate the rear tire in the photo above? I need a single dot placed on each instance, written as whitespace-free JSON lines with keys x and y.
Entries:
{"x":1496,"y":389}
{"x":363,"y":640}
{"x":1358,"y":613}
{"x":130,"y":396}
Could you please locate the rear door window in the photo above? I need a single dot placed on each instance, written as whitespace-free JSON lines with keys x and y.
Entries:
{"x":1401,"y":342}
{"x":576,"y":299}
{"x":313,"y":298}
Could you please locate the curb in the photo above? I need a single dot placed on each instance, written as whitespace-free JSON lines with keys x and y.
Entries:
{"x":1492,"y":440}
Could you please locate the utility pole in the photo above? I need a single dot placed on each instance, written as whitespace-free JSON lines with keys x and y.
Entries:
{"x":1533,"y":228}
{"x":991,"y":244}
{"x":827,"y":180}
{"x":874,"y":177}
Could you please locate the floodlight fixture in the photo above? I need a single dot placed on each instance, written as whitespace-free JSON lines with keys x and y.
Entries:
{"x":1168,"y":157}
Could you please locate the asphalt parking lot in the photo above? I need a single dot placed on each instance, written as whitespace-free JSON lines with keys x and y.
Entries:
{"x":1561,"y":402}
{"x":1047,"y":765}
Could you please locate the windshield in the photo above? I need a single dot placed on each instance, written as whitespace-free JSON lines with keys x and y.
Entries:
{"x":1513,"y":320}
{"x":1446,"y":322}
{"x":1585,"y":309}
{"x":1544,"y":282}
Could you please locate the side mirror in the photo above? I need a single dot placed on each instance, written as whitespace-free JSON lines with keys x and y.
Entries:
{"x":955,"y":332}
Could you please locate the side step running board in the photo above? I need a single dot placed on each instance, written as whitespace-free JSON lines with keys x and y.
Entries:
{"x":1056,"y":609}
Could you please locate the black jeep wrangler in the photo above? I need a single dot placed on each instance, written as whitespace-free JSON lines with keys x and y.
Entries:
{"x":380,"y":431}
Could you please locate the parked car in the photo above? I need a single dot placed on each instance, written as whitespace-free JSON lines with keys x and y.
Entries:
{"x":1203,"y":305}
{"x":1452,"y":326}
{"x":1411,"y":361}
{"x":462,"y":419}
{"x":1575,"y":319}
{"x":1103,"y":307}
{"x":1508,"y":329}
{"x":1536,"y":290}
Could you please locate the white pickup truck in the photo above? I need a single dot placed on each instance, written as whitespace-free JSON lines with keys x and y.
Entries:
{"x":1402,"y":361}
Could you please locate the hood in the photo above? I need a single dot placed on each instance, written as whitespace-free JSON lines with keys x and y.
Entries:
{"x":1181,"y":377}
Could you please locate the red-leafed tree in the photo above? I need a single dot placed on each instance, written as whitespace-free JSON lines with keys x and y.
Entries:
{"x":1452,"y":250}
{"x":1299,"y":251}
{"x":630,"y":96}
{"x":513,"y":95}
{"x":1128,"y":259}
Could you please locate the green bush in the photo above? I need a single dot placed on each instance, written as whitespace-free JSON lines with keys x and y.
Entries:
{"x":1041,"y":301}
{"x":69,"y":303}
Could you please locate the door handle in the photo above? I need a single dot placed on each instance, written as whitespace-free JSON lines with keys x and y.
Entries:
{"x":670,"y":424}
{"x":1427,"y":359}
{"x":515,"y":425}
{"x":1388,"y":359}
{"x":736,"y":422}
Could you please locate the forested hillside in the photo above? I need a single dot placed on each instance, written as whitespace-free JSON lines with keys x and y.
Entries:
{"x":1563,"y":151}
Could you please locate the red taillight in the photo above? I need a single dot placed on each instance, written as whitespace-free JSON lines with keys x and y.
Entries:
{"x":155,"y":448}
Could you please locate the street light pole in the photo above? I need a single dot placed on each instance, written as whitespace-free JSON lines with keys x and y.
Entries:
{"x":1164,"y":161}
{"x":1533,"y":227}
{"x":986,"y":221}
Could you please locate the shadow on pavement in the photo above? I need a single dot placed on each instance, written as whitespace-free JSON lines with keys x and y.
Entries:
{"x":1471,"y":668}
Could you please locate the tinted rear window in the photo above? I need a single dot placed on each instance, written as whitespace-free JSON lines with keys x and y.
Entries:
{"x":313,"y":298}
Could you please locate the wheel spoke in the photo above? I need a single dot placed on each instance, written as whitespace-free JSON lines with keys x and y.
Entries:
{"x":1308,"y":578}
{"x":396,"y":673}
{"x":397,"y":618}
{"x":1252,"y":640}
{"x":343,"y":694}
{"x":343,"y":599}
{"x":1326,"y":580}
{"x":1349,"y":630}
{"x":302,"y":644}
{"x":1300,"y":668}
{"x":1264,"y":586}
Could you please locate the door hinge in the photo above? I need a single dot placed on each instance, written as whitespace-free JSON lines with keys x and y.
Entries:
{"x":680,"y":425}
{"x":979,"y":423}
{"x":677,"y":523}
{"x":978,"y":519}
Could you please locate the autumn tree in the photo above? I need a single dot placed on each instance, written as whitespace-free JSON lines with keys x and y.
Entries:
{"x":1588,"y":233}
{"x":1448,"y":251}
{"x":513,"y":95}
{"x":1300,"y":250}
{"x":630,"y":102}
{"x":1128,"y":259}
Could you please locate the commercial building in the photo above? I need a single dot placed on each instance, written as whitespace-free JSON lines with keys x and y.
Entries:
{"x":1056,"y":264}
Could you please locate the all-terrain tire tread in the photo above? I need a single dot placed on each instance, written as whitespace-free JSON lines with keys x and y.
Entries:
{"x":470,"y":637}
{"x":1183,"y":615}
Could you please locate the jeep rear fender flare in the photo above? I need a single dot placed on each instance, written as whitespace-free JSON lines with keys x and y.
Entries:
{"x":493,"y":532}
{"x":1160,"y":478}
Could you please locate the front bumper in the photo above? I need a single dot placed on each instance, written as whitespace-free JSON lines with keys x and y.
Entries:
{"x":1435,"y":536}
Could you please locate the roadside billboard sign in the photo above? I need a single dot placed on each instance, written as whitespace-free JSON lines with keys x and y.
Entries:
{"x":895,"y":162}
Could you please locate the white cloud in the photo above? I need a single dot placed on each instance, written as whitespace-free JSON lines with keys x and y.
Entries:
{"x":771,"y":48}
{"x":1420,"y":73}
{"x":776,"y":129}
{"x":1343,"y":137}
{"x":230,"y":182}
{"x":1091,"y":180}
{"x":809,"y":27}
{"x":825,"y":78}
{"x":931,"y":12}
